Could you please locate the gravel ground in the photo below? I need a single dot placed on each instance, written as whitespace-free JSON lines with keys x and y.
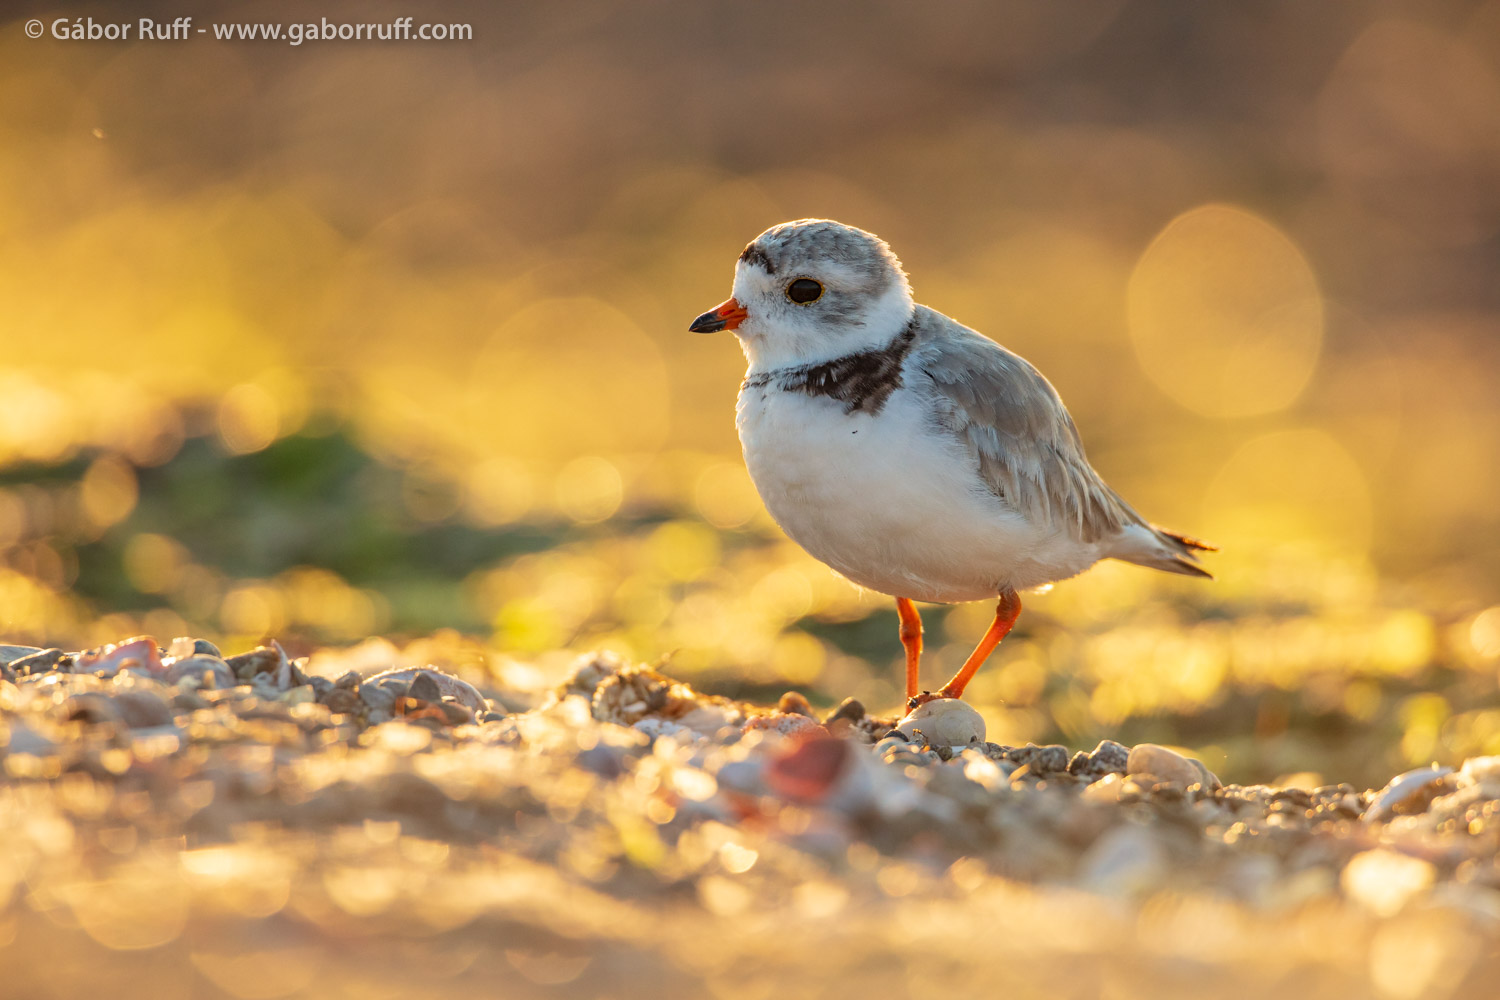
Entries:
{"x":176,"y":823}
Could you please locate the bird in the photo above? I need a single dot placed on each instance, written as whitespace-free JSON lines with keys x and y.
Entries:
{"x":913,"y":455}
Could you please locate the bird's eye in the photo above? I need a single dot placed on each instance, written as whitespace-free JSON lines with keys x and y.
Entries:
{"x":804,"y":290}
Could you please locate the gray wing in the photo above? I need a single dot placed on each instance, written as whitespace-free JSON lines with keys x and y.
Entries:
{"x":1014,"y":424}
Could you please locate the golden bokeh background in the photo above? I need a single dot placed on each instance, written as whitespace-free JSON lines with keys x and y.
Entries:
{"x":336,"y":339}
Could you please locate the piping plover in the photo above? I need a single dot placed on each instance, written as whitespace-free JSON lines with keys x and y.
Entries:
{"x":908,"y":452}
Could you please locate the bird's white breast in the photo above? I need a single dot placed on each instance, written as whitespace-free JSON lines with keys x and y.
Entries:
{"x":891,"y":501}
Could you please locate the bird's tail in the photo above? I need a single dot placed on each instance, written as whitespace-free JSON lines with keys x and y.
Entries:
{"x":1158,"y":548}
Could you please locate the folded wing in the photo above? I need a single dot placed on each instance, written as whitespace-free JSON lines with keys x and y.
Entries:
{"x":1026,"y":447}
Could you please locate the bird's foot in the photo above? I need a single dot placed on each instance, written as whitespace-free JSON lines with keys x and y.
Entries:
{"x":916,"y":701}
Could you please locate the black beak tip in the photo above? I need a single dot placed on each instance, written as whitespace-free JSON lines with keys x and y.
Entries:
{"x":709,"y":322}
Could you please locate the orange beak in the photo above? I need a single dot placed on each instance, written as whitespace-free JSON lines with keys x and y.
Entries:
{"x":727,"y":315}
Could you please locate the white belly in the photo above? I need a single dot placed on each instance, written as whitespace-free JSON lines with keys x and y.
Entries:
{"x":892,"y":504}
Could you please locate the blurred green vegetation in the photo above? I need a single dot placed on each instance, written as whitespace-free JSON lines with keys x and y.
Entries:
{"x":350,"y":339}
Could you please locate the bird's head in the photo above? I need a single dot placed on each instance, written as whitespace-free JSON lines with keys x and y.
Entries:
{"x":812,"y":290}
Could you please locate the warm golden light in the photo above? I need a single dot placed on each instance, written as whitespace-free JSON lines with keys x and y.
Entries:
{"x":1225,"y":313}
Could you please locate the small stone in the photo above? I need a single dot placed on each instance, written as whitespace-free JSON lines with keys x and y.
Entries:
{"x":492,"y":716}
{"x":1476,"y":770}
{"x":588,"y":672}
{"x":90,"y":707}
{"x":745,"y":776}
{"x":467,"y":694}
{"x":296,"y":670}
{"x":260,"y":660}
{"x":424,"y":687}
{"x":850,"y":708}
{"x":1110,"y":757}
{"x":808,"y":771}
{"x":184,"y":646}
{"x":341,"y":699}
{"x":40,"y":661}
{"x":322,"y":685}
{"x":1168,"y":765}
{"x":10,"y":654}
{"x":632,"y":694}
{"x":1050,"y":759}
{"x":1106,"y":789}
{"x":945,"y":722}
{"x":783,"y":723}
{"x":794,"y":703}
{"x":1206,"y":778}
{"x":207,"y":671}
{"x":378,"y":697}
{"x":143,"y":709}
{"x":189,"y":701}
{"x":1410,"y":793}
{"x":349,"y":681}
{"x":302,"y":694}
{"x":601,"y":760}
{"x":139,"y":653}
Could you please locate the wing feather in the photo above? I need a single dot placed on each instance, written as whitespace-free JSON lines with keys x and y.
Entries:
{"x":1014,"y":424}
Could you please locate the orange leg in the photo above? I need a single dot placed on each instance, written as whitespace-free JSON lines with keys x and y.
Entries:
{"x":911,"y":640}
{"x":1006,"y":613}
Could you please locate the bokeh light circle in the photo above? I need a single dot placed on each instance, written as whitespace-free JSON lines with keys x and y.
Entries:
{"x":1289,"y":487}
{"x":1225,"y":313}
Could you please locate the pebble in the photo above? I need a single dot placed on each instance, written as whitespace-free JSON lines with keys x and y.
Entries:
{"x":378,"y":697}
{"x":10,"y":654}
{"x":185,"y":645}
{"x":1408,"y":793}
{"x":945,"y":722}
{"x":424,"y":687}
{"x":91,"y":707}
{"x":794,"y":703}
{"x":137,"y":653}
{"x":260,"y":660}
{"x":1041,"y":814}
{"x":38,"y":661}
{"x":210,"y":672}
{"x":302,"y":694}
{"x":1108,"y":757}
{"x":809,"y":771}
{"x":589,"y":671}
{"x":1050,"y":759}
{"x":1168,"y":765}
{"x":341,"y":699}
{"x":143,"y":709}
{"x":850,"y":709}
{"x":446,"y":684}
